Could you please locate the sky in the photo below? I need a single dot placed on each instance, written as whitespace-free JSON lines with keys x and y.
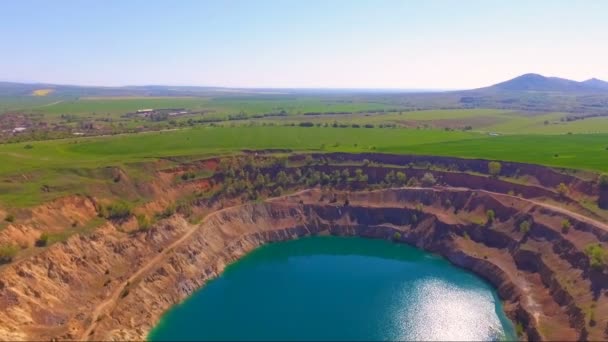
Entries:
{"x":426,"y":44}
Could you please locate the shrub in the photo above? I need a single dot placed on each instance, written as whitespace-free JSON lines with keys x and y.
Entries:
{"x":7,"y":253}
{"x":278,"y":191}
{"x":397,"y":236}
{"x":118,"y":211}
{"x":562,"y":189}
{"x":428,"y":179}
{"x":401,"y":178}
{"x":168,"y":212}
{"x":494,"y":168}
{"x":143,"y":222}
{"x":360,"y":176}
{"x":188,"y":175}
{"x":43,"y":240}
{"x":490,"y":215}
{"x":566,"y":226}
{"x":9,"y":218}
{"x":519,"y":329}
{"x":598,"y":257}
{"x":524,"y":227}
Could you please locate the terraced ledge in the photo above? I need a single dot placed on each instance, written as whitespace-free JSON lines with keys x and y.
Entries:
{"x":112,"y":285}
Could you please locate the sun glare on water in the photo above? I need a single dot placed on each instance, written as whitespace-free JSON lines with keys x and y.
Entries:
{"x":445,"y":313}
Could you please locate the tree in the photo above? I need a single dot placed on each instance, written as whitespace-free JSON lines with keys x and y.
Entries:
{"x":359,"y":176}
{"x":566,"y":226}
{"x":282,"y":178}
{"x":401,"y":178}
{"x":562,"y":189}
{"x":345,"y":175}
{"x":524,"y":227}
{"x":335,"y":177}
{"x":490,"y":215}
{"x":260,"y":181}
{"x":494,"y":168}
{"x":389,"y":178}
{"x":598,"y":257}
{"x":428,"y":179}
{"x":308,"y":160}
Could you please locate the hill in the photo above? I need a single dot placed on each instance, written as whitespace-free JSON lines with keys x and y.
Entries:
{"x":595,"y":83}
{"x":536,"y":82}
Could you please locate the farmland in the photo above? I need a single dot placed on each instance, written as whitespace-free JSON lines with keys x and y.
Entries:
{"x":62,"y":164}
{"x":69,"y":135}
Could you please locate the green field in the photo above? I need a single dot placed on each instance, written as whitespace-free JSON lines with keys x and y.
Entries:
{"x":575,"y":151}
{"x":69,"y":165}
{"x":63,"y":164}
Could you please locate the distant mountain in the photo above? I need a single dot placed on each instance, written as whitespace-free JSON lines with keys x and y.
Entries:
{"x":597,"y":84}
{"x":536,"y":82}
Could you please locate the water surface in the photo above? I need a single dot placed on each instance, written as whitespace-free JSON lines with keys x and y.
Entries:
{"x":330,"y":288}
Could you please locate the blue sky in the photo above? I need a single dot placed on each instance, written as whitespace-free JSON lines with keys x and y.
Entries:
{"x":284,"y":43}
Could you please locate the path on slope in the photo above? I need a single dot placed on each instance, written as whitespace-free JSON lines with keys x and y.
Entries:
{"x":111,"y":301}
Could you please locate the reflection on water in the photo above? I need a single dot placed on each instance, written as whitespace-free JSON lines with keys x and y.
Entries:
{"x":444,"y":312}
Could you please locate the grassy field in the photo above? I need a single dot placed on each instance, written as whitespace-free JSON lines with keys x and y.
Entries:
{"x":108,"y":112}
{"x":219,"y":105}
{"x":68,"y":165}
{"x":575,"y":151}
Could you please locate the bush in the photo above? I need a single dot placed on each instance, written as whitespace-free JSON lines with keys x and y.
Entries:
{"x":9,"y":218}
{"x":494,"y":168}
{"x":598,"y":257}
{"x":401,"y":178}
{"x":524,"y":227}
{"x":428,"y":179}
{"x":490,"y":215}
{"x":43,"y":240}
{"x":562,"y":189}
{"x":168,"y":212}
{"x":118,"y":211}
{"x":566,"y":226}
{"x":188,"y":175}
{"x":397,"y":236}
{"x":7,"y":253}
{"x":519,"y":329}
{"x":143,"y":222}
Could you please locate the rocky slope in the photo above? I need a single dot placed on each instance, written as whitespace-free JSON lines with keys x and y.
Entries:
{"x":116,"y":285}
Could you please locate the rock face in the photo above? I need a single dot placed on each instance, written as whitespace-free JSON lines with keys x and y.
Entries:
{"x":112,"y":285}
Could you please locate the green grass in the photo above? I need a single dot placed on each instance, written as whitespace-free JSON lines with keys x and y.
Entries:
{"x":119,"y":105}
{"x":103,"y":151}
{"x":70,"y":165}
{"x":578,"y":151}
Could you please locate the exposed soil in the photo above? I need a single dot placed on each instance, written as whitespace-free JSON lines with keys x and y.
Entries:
{"x":112,"y":285}
{"x":116,"y":282}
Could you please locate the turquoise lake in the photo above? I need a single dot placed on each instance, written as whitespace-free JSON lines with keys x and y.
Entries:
{"x":333,"y":288}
